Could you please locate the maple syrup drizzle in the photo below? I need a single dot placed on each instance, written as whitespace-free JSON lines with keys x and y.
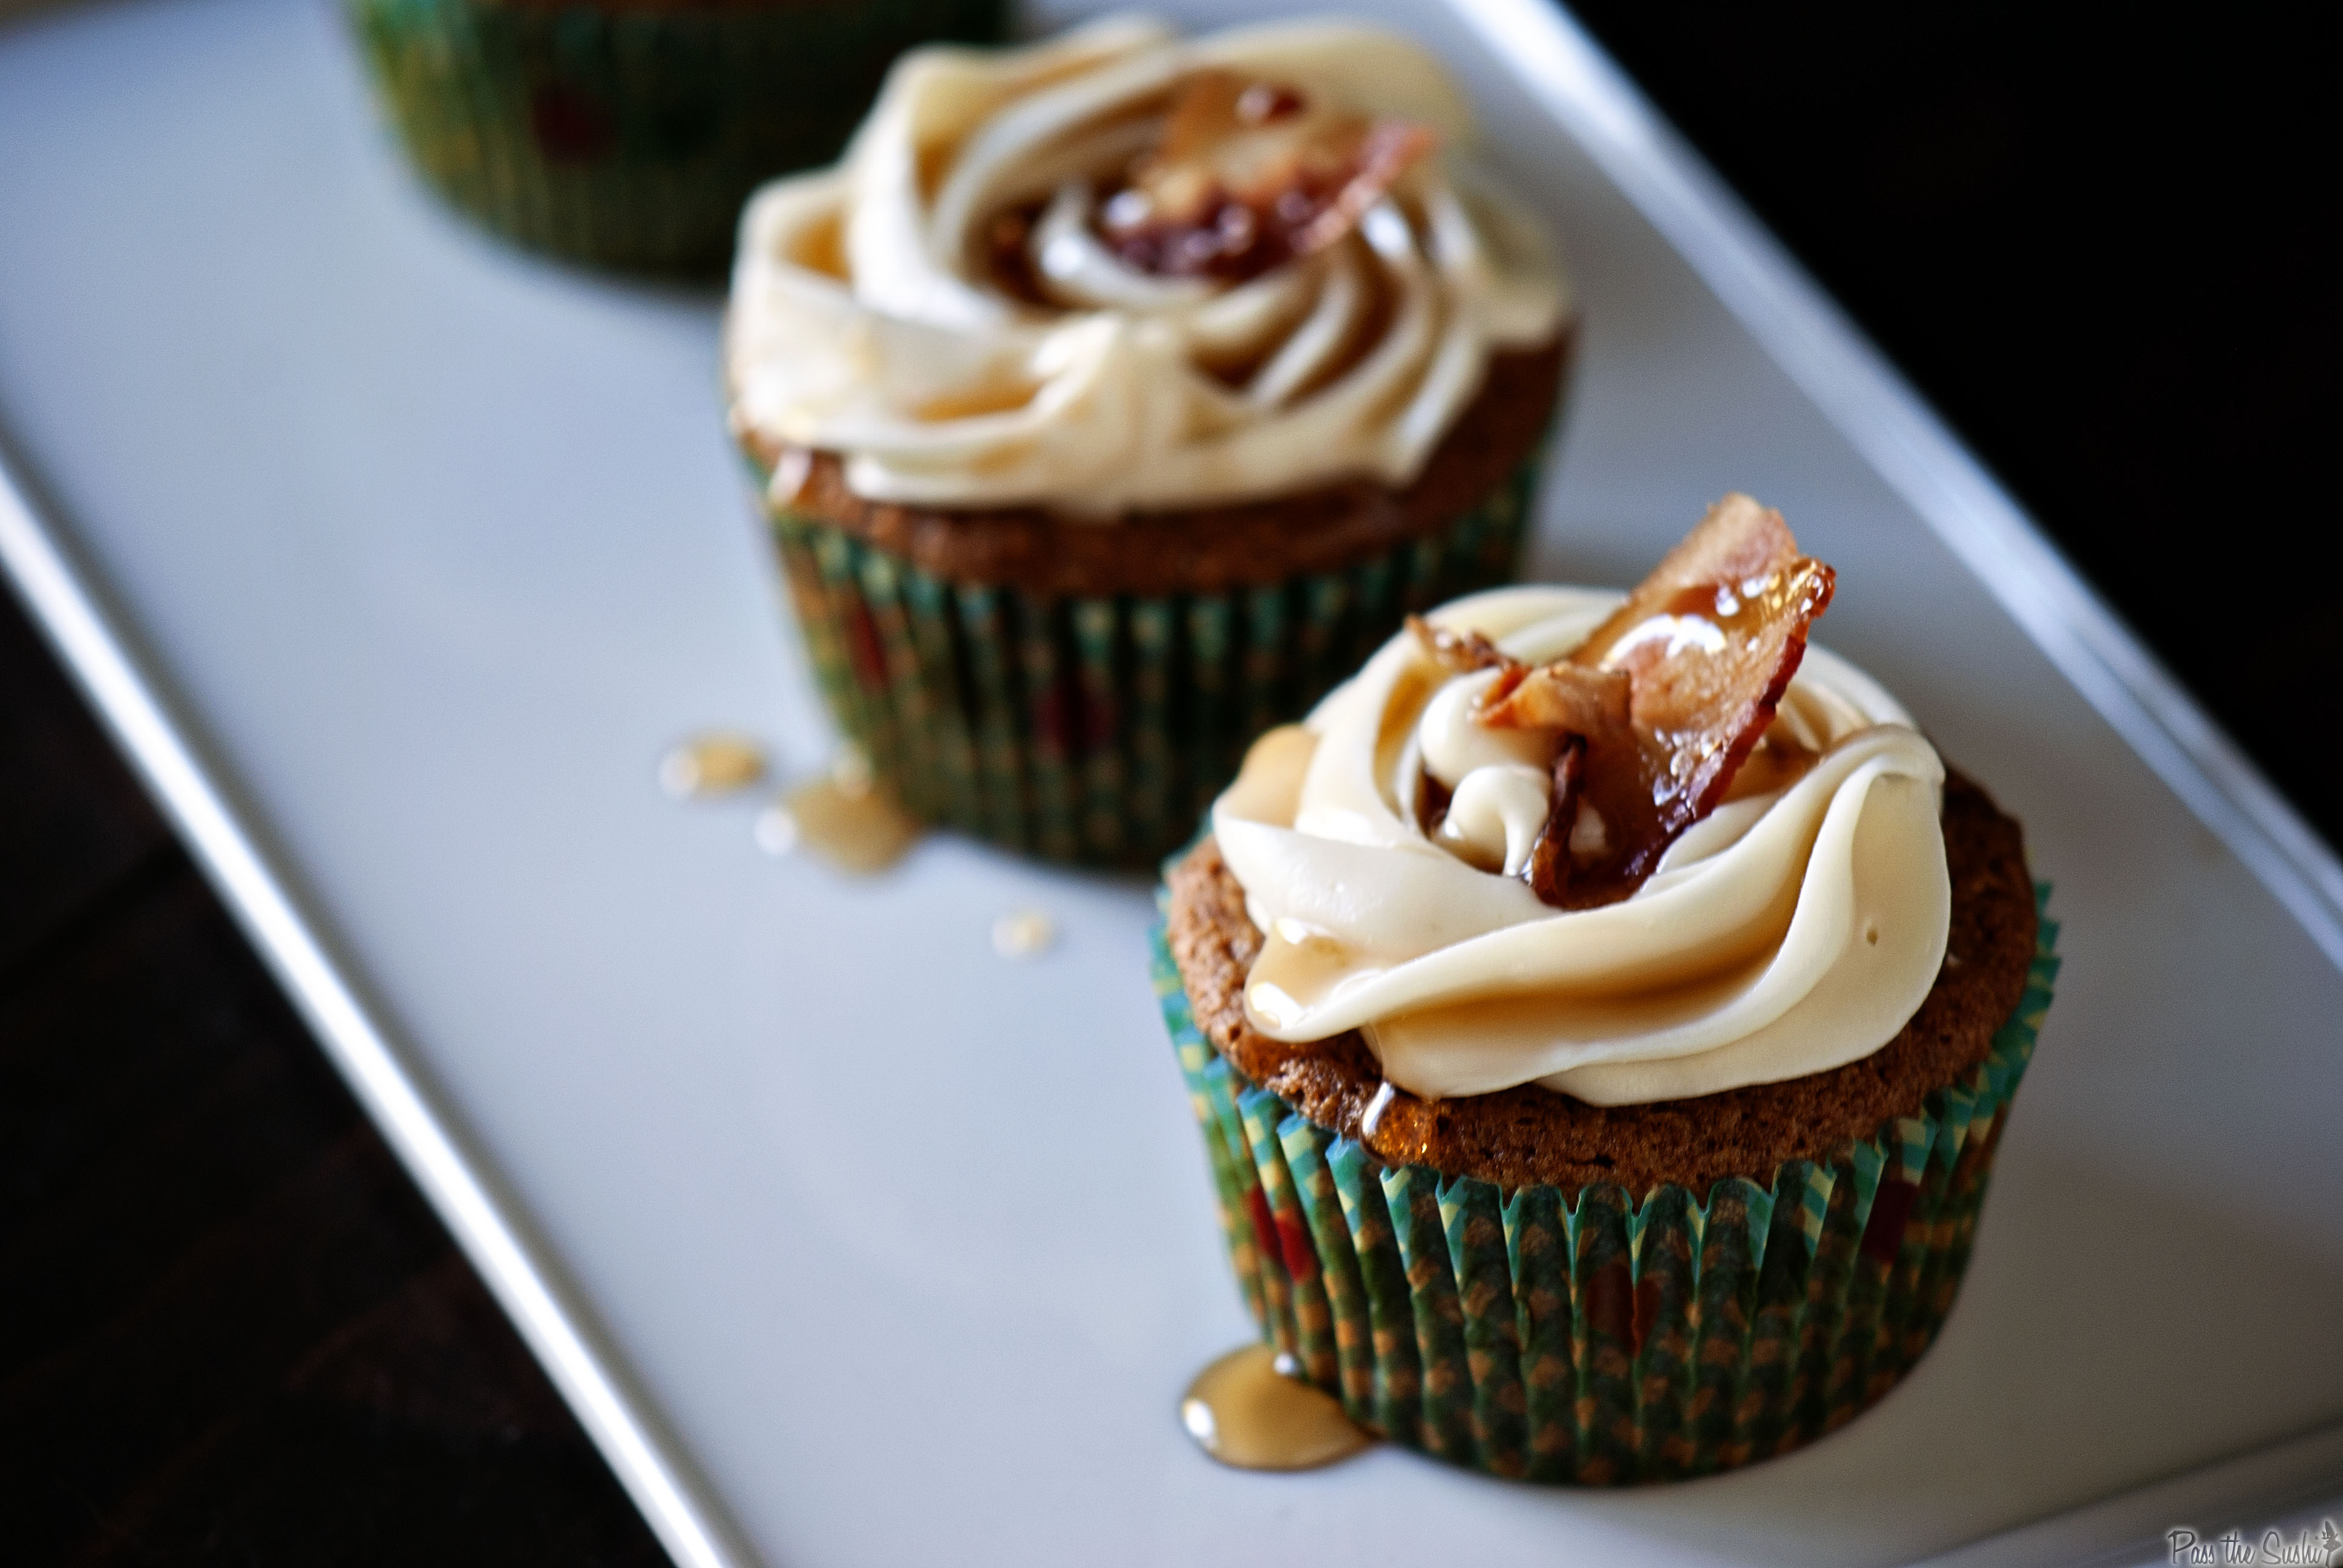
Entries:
{"x":717,"y":763}
{"x":845,"y":818}
{"x":1251,"y":1410}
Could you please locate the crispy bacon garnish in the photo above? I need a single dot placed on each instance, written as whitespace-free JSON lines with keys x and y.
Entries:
{"x":1249,"y":174}
{"x":1007,"y":242}
{"x":1575,"y":698}
{"x":1549,"y":866}
{"x":1462,"y":652}
{"x":1707,"y":646}
{"x":1467,"y":651}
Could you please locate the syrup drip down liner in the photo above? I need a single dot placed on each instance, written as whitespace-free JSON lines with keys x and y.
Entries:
{"x":1582,"y":1337}
{"x":629,"y":133}
{"x":1099,"y":729}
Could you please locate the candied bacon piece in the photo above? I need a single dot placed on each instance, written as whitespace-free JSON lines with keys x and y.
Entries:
{"x":1467,"y":651}
{"x":1708,"y":644}
{"x":1559,"y":696}
{"x":1549,"y":868}
{"x":1006,"y":243}
{"x":1463,"y":651}
{"x":1384,"y":150}
{"x":1249,"y":174}
{"x":1575,"y":698}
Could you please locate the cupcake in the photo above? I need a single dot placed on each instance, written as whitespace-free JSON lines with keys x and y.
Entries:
{"x":1113,"y":397}
{"x":629,"y":132}
{"x":1601,"y":1016}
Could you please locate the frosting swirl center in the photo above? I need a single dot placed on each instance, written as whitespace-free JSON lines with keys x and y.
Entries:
{"x":1796,"y":928}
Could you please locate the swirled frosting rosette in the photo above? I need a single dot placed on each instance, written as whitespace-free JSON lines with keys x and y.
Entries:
{"x":1793,"y":929}
{"x":1127,"y":270}
{"x":1114,"y":396}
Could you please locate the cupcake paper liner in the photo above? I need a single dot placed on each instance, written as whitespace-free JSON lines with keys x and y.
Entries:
{"x":629,"y":135}
{"x":1583,"y":1337}
{"x":1099,"y":728}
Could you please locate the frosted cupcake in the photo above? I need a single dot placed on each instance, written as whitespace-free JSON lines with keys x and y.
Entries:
{"x":1601,"y":1018}
{"x":1114,"y":396}
{"x":629,"y":132}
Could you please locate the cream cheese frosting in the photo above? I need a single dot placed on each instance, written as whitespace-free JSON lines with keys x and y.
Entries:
{"x":866,"y":319}
{"x":1788,"y":933}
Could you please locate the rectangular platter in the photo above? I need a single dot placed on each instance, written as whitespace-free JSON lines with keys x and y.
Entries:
{"x":396,"y":559}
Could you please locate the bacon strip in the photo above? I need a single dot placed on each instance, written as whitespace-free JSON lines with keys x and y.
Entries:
{"x":1249,"y":174}
{"x":1467,"y":651}
{"x":1707,"y":646}
{"x":1575,"y":698}
{"x":1549,"y":868}
{"x":1462,"y":652}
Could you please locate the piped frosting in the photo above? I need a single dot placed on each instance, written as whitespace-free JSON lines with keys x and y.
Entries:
{"x":1792,"y":929}
{"x":874,"y":313}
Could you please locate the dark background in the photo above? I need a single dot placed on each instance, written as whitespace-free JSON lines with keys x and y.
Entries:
{"x":2090,"y":239}
{"x":231,"y":1331}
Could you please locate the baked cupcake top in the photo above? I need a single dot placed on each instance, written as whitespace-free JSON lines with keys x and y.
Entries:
{"x":1127,"y":271}
{"x":1634,"y":851}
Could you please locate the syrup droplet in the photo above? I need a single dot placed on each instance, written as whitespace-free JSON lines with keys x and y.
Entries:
{"x":844,"y":817}
{"x":1375,"y":1108}
{"x":1248,"y":1411}
{"x":1025,"y":934}
{"x":717,"y":763}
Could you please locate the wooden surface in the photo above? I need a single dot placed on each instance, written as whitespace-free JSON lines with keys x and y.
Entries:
{"x":231,"y":1331}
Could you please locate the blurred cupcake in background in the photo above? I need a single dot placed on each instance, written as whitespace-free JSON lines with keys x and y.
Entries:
{"x":627,"y":133}
{"x":1113,"y":396}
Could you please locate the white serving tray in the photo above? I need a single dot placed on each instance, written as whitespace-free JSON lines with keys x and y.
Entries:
{"x":395,"y":558}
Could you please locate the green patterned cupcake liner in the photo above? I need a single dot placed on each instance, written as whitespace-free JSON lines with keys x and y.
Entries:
{"x":629,"y":135}
{"x":1583,"y":1337}
{"x":1098,"y":730}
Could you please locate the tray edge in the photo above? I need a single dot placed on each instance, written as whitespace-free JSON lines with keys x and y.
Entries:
{"x":84,"y":634}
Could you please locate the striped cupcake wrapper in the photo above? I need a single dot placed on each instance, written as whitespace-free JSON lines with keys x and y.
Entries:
{"x":1098,"y":730}
{"x":629,"y":135}
{"x":1582,"y":1337}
